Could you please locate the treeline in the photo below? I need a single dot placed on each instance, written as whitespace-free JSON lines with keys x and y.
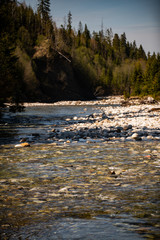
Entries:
{"x":104,"y":62}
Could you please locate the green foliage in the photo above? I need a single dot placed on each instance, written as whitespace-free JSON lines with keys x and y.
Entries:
{"x":152,"y":76}
{"x":83,"y":64}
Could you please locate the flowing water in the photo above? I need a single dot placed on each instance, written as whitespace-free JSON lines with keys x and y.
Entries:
{"x":77,"y":190}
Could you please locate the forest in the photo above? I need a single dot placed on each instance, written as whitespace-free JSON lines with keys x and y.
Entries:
{"x":42,"y":62}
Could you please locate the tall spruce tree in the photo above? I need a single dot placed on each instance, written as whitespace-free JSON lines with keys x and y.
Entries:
{"x":46,"y":22}
{"x":44,"y":9}
{"x":87,"y":35}
{"x":69,"y":25}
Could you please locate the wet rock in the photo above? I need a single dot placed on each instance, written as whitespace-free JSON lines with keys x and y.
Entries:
{"x":35,"y":135}
{"x":67,"y":134}
{"x":119,"y":129}
{"x":23,"y":140}
{"x":53,"y":130}
{"x":25,"y":144}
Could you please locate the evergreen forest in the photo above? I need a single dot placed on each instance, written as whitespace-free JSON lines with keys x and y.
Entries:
{"x":42,"y":62}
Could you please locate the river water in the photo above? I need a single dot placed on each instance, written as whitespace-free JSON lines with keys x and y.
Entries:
{"x":77,"y":190}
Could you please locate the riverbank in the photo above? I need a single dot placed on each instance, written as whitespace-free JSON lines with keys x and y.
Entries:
{"x":109,"y":119}
{"x":118,"y":120}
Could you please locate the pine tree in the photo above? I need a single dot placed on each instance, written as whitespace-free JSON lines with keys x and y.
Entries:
{"x":69,"y":30}
{"x":141,"y":53}
{"x":87,"y":35}
{"x":116,"y":42}
{"x":69,"y":26}
{"x":46,"y":22}
{"x":80,"y":30}
{"x":44,"y":9}
{"x":137,"y":79}
{"x":123,"y":47}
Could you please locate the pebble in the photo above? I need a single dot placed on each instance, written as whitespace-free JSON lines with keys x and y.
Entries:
{"x":147,"y":151}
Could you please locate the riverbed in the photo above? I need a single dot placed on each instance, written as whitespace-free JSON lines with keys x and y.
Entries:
{"x":84,"y":185}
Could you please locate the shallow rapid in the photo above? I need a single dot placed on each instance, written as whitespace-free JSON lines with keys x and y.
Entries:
{"x":69,"y":189}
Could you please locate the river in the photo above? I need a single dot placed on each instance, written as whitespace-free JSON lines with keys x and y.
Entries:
{"x":75,"y":190}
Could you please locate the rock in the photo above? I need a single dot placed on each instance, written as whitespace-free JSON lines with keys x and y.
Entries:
{"x":67,"y":134}
{"x":25,"y":144}
{"x":123,"y":139}
{"x":149,"y":137}
{"x":35,"y":135}
{"x":64,"y":189}
{"x":53,"y":130}
{"x":53,"y":144}
{"x":150,"y":100}
{"x":147,"y":151}
{"x":68,"y":119}
{"x":105,"y":133}
{"x":75,"y":118}
{"x":136,"y":137}
{"x":127,"y":127}
{"x":119,"y":129}
{"x":23,"y":140}
{"x":104,"y":116}
{"x":82,"y":140}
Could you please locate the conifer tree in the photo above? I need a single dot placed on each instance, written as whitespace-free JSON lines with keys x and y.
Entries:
{"x":87,"y":35}
{"x":123,"y":45}
{"x":116,"y":42}
{"x":80,"y":30}
{"x":69,"y":26}
{"x":44,"y":9}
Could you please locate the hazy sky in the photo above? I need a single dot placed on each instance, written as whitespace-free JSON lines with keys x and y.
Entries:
{"x":139,"y":19}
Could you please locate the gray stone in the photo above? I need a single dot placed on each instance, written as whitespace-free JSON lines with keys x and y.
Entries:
{"x":136,"y":137}
{"x":119,"y":129}
{"x":127,"y":127}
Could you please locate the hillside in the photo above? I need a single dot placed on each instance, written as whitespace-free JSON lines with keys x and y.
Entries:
{"x":40,"y":62}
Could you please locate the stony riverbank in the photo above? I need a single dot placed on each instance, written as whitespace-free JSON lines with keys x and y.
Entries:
{"x":118,"y":120}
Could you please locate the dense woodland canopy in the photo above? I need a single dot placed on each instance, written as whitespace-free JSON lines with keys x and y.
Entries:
{"x":39,"y":61}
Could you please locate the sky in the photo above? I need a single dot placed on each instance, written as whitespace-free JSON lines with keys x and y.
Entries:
{"x":139,"y":19}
